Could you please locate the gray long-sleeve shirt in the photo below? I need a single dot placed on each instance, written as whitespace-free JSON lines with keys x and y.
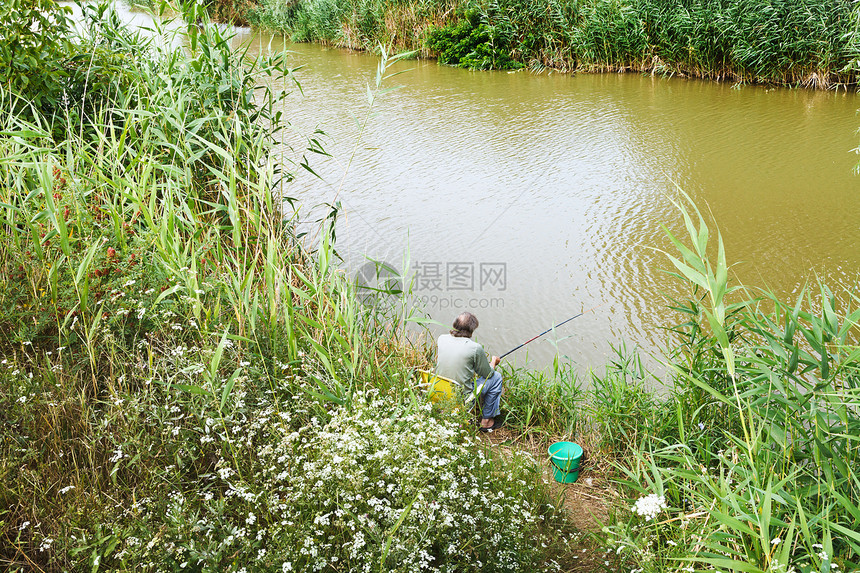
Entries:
{"x":461,"y":359}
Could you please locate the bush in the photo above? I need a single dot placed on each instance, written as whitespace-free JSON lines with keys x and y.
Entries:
{"x":33,"y":43}
{"x":473,"y":44}
{"x":374,"y":487}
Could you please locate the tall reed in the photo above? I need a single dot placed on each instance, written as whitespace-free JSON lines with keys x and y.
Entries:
{"x":813,"y":43}
{"x":756,"y":466}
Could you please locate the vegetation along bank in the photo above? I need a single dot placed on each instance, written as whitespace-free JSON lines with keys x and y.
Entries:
{"x":812,"y":43}
{"x":186,"y":386}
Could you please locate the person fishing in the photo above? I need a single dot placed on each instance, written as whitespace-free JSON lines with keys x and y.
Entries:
{"x":463,"y":360}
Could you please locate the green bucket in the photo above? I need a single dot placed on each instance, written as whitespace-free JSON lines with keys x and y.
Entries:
{"x":565,"y":457}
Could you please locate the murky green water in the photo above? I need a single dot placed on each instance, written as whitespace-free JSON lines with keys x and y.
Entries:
{"x":529,"y":198}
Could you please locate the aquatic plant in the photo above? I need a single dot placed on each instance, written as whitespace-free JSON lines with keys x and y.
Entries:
{"x":758,"y":470}
{"x":746,"y":459}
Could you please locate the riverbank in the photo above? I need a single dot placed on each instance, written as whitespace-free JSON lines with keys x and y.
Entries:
{"x":185,"y":384}
{"x":813,"y":44}
{"x":188,"y":385}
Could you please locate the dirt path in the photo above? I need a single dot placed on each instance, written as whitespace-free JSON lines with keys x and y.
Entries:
{"x":585,"y":501}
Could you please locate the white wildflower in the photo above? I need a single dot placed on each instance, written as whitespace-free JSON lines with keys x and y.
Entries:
{"x":117,"y":455}
{"x":650,"y":506}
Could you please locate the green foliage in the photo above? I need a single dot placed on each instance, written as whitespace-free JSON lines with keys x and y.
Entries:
{"x":745,"y":459}
{"x":759,"y":459}
{"x":230,"y":11}
{"x":52,"y":76}
{"x":536,"y":401}
{"x":814,"y":43}
{"x":33,"y":41}
{"x":472,"y":44}
{"x":623,"y":410}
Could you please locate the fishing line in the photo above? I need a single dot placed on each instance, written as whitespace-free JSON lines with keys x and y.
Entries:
{"x":551,"y":328}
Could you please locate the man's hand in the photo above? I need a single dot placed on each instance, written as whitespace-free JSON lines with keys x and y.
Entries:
{"x":495,"y":362}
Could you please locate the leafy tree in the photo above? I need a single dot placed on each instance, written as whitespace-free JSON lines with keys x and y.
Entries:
{"x":33,"y":38}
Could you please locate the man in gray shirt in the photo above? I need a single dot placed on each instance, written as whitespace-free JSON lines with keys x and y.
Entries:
{"x":462,"y":360}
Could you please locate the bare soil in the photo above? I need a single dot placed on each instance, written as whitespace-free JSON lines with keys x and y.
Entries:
{"x":586,"y":502}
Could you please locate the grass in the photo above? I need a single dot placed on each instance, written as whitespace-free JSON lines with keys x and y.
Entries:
{"x":751,"y":455}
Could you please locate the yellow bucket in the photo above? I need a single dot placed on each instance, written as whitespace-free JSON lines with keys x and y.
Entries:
{"x":438,"y":387}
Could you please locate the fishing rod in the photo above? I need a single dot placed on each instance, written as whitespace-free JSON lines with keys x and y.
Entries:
{"x":551,"y":328}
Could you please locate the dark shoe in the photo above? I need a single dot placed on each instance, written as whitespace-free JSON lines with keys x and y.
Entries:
{"x":497,"y":423}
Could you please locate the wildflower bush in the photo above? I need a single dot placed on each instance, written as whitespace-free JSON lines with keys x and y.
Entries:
{"x":370,"y":488}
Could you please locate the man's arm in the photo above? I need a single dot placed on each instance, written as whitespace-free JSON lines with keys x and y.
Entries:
{"x":483,"y":368}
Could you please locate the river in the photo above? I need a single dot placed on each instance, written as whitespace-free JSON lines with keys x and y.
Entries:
{"x":528,"y":198}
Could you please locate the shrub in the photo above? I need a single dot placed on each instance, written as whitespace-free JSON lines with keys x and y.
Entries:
{"x":33,"y":43}
{"x":471,"y":43}
{"x":377,"y":486}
